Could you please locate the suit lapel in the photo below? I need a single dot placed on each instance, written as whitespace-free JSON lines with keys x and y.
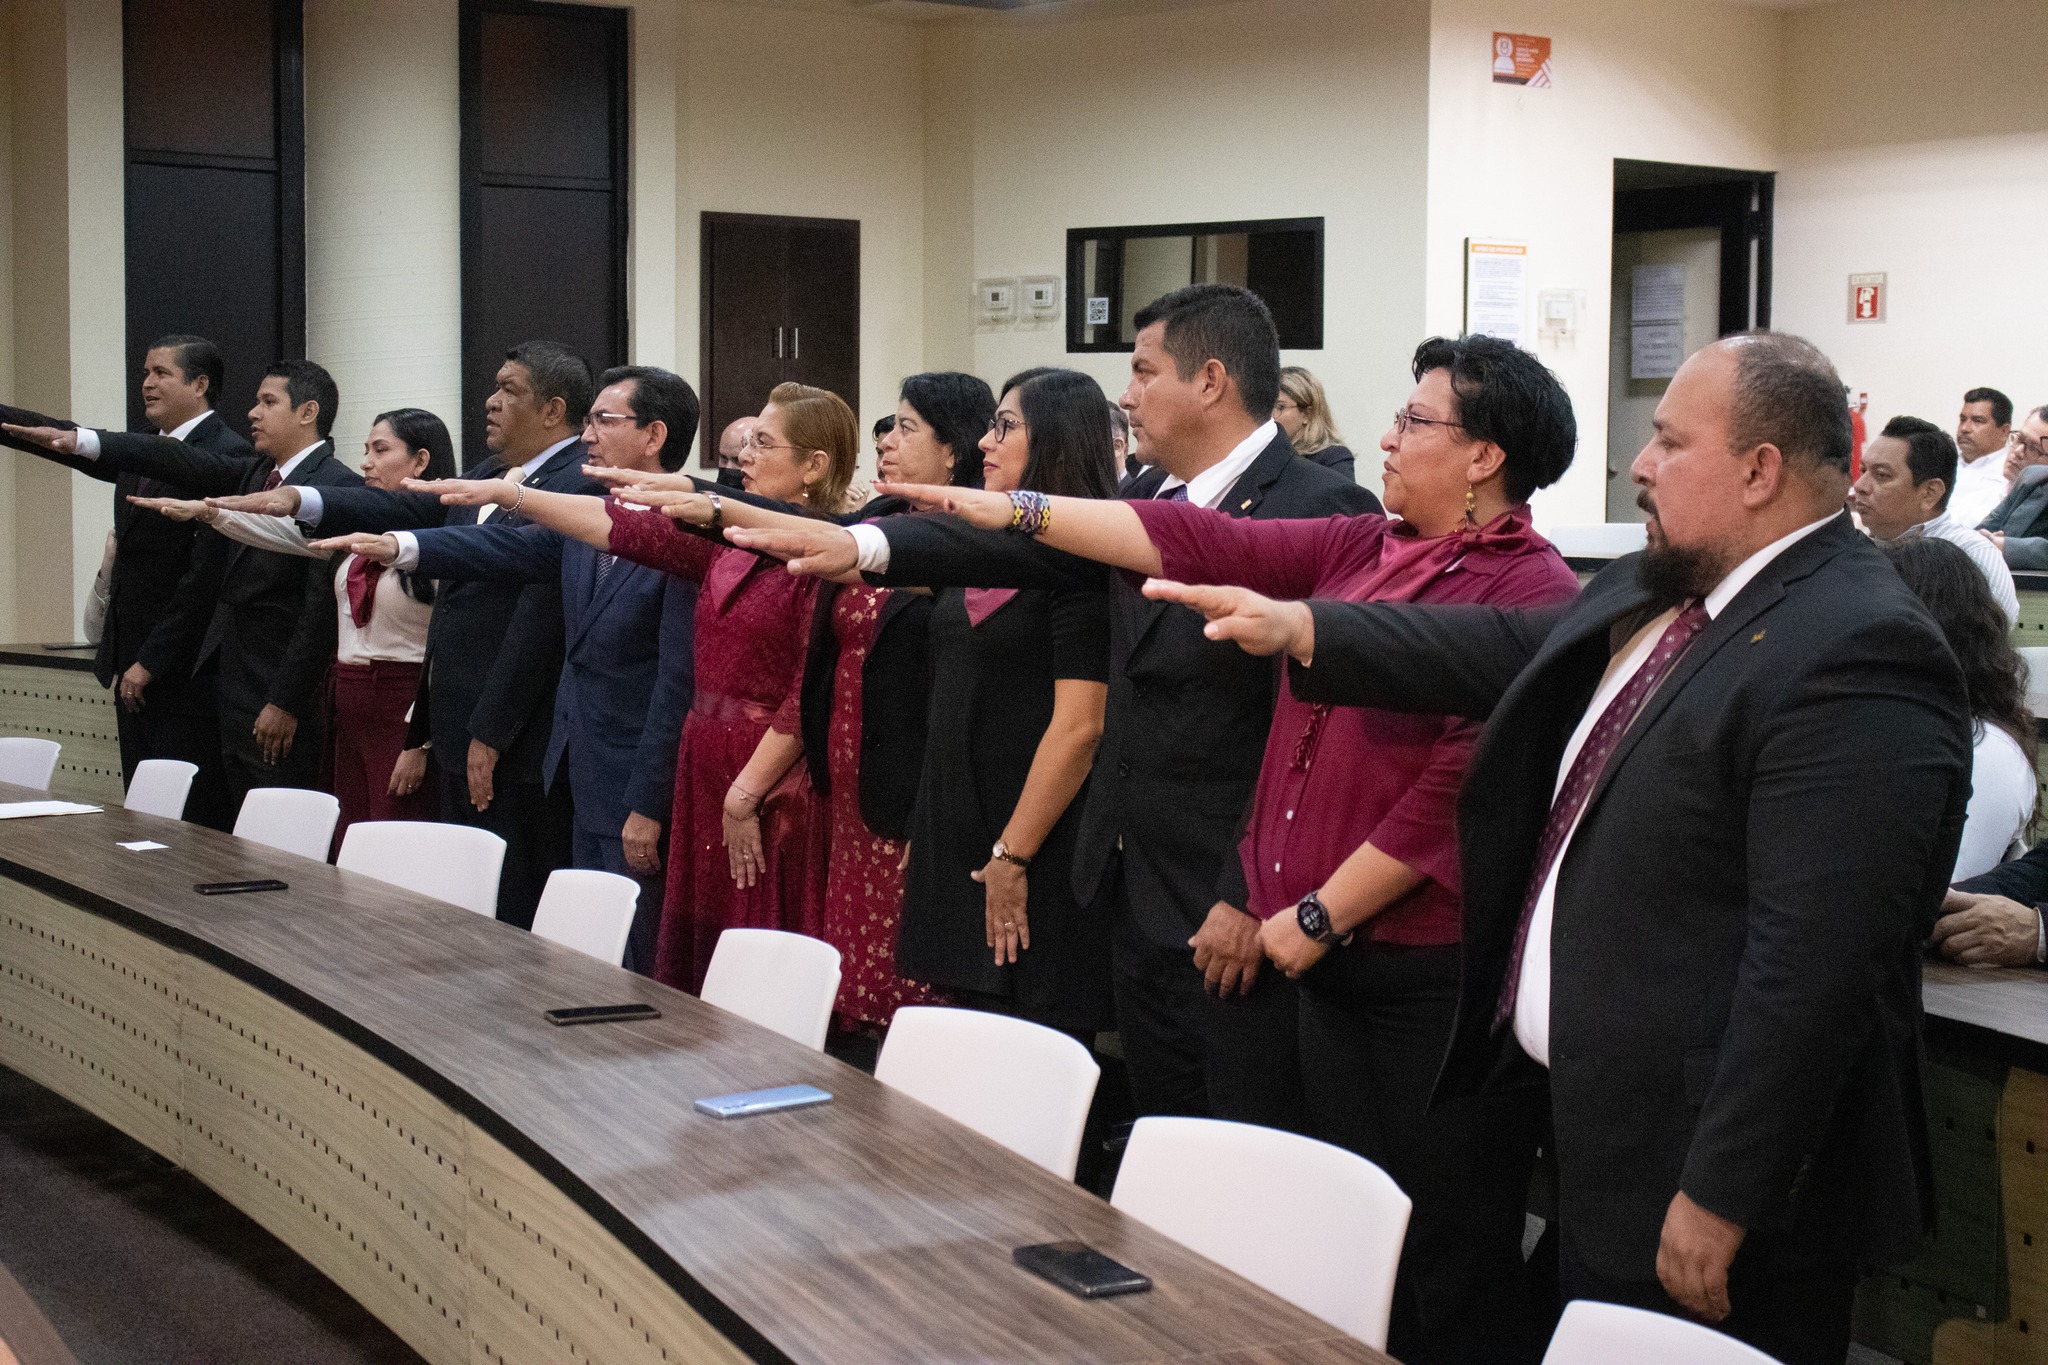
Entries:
{"x":1242,"y":500}
{"x":599,"y":595}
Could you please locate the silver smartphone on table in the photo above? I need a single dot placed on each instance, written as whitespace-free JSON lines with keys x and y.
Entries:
{"x":750,"y":1102}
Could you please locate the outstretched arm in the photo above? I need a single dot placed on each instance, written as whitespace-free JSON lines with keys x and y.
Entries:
{"x":576,"y":515}
{"x":1102,"y":529}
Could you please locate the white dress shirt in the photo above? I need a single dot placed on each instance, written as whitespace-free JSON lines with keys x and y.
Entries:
{"x":1206,"y":489}
{"x":1988,"y":558}
{"x":89,"y":440}
{"x":1532,"y":994}
{"x":2002,"y":792}
{"x":1980,"y":487}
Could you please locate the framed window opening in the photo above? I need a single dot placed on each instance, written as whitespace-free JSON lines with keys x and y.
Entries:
{"x":1112,"y":272}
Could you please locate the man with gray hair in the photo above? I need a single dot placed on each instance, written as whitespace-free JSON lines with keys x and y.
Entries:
{"x":1716,"y":803}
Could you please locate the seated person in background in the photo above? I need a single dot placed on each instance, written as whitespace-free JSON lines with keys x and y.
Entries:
{"x":1982,"y":431}
{"x":1904,"y":491}
{"x":2019,"y":525}
{"x":2002,"y":784}
{"x":730,"y":443}
{"x":880,"y":431}
{"x":1304,"y":414}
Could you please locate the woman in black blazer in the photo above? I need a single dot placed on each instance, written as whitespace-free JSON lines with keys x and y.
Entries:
{"x":1303,"y":412}
{"x":1019,"y":680}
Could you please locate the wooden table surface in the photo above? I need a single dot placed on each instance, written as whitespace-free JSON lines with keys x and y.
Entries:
{"x":871,"y":1228}
{"x":2008,"y":1000}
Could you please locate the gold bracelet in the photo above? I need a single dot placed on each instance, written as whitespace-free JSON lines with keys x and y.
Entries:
{"x":517,"y":498}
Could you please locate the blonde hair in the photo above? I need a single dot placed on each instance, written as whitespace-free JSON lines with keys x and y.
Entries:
{"x":1305,"y":391}
{"x":818,"y":419}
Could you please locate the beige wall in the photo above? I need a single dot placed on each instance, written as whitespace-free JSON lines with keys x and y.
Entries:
{"x":7,"y":384}
{"x":1695,"y":83}
{"x":1184,"y":114}
{"x":1923,"y":154}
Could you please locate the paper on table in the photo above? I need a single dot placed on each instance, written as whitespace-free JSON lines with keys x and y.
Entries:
{"x":143,"y":845}
{"x":19,"y":810}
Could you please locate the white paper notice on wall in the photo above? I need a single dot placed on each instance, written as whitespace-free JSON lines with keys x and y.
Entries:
{"x":1657,"y":294}
{"x":1655,"y":349}
{"x":1496,"y":289}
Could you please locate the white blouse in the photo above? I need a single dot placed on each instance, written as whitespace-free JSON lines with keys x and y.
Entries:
{"x":397,"y":632}
{"x":2002,"y":785}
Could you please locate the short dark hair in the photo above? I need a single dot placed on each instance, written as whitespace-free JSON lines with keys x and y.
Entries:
{"x":305,"y":382}
{"x":660,"y":396}
{"x":1506,"y":396}
{"x":1930,"y":453}
{"x":1958,"y":597}
{"x":195,"y":356}
{"x":1787,"y":394}
{"x":958,"y":408}
{"x":883,"y":426}
{"x":1224,"y":323}
{"x":557,"y":372}
{"x":1066,"y":423}
{"x":1119,"y":421}
{"x":422,"y":430}
{"x":2001,"y":406}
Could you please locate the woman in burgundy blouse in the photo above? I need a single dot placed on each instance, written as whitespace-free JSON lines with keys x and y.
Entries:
{"x":1352,"y":833}
{"x":747,"y":848}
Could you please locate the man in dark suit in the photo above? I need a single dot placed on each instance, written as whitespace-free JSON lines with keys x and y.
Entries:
{"x":271,"y":665}
{"x":494,"y":650}
{"x":2019,"y":525}
{"x":1999,"y":919}
{"x":1716,"y":798}
{"x":150,"y":644}
{"x":1186,"y":720}
{"x":627,"y":675}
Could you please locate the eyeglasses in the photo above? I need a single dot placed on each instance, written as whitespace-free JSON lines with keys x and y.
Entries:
{"x":1404,"y":419}
{"x":2031,"y":448}
{"x":753,"y":441}
{"x":1004,"y":425}
{"x":611,"y":419}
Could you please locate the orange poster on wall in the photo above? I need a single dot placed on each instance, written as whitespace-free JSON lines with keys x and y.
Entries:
{"x":1521,"y":59}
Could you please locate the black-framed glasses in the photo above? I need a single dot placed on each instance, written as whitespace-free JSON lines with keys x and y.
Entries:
{"x":1004,"y":425}
{"x":610,"y":419}
{"x":1404,"y":419}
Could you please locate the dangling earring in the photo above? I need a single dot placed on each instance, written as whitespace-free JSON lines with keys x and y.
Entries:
{"x":1471,"y":507}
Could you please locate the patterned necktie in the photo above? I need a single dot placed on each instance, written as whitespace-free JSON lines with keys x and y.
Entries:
{"x":272,"y":479}
{"x":604,"y":571}
{"x":1601,"y":742}
{"x":1179,"y":494}
{"x":515,"y":476}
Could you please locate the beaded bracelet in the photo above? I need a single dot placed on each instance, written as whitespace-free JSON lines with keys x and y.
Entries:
{"x":1030,"y":513}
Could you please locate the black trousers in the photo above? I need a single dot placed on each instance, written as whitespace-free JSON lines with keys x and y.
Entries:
{"x":1790,"y":1301}
{"x":537,"y":826}
{"x":1159,"y":1006}
{"x":1375,"y":1021}
{"x":242,"y":765}
{"x":1253,"y":1062}
{"x":182,"y":725}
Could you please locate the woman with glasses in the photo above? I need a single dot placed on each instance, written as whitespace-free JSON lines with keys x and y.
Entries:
{"x":1303,"y":412}
{"x":376,"y":762}
{"x":1350,"y":855}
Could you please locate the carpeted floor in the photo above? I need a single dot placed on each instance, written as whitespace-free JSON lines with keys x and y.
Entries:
{"x":130,"y":1261}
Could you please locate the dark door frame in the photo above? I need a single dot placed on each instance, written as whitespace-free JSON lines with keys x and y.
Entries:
{"x":1654,"y":196}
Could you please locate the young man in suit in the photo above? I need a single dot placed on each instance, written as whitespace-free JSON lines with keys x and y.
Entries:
{"x":626,"y":678}
{"x":1187,"y":718}
{"x":494,"y":650}
{"x":1716,"y":799}
{"x":270,"y":666}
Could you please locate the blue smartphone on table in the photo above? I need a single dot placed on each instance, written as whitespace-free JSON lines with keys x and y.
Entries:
{"x":751,"y":1102}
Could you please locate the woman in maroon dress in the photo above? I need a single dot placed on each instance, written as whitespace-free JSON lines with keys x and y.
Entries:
{"x":747,"y":848}
{"x":1350,"y":857}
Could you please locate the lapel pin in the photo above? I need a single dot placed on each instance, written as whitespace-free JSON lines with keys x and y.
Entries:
{"x":1245,"y":505}
{"x":1754,"y":638}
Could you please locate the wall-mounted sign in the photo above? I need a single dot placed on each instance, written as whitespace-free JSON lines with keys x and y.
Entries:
{"x":1521,"y":59}
{"x":1867,"y":297}
{"x":1496,"y":289}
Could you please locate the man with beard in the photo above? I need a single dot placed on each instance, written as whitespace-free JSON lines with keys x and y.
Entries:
{"x":1717,"y":798}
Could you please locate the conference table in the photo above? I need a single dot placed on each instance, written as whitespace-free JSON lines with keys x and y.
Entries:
{"x":367,"y":1073}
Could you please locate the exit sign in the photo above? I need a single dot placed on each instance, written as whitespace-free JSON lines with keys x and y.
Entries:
{"x":1867,"y":298}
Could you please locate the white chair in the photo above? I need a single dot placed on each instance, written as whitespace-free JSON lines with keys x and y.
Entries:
{"x":1603,"y":1333}
{"x":289,"y":818}
{"x":591,"y":912}
{"x":1024,"y":1085}
{"x":28,"y":762}
{"x":1598,"y":540}
{"x":785,"y":982}
{"x":1317,"y":1225}
{"x":160,"y":786}
{"x":452,"y":863}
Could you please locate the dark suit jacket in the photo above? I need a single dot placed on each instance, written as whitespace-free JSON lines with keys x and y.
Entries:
{"x":2023,"y":517}
{"x":1186,"y":720}
{"x":2024,"y":879}
{"x":1337,"y":458}
{"x":487,"y":680}
{"x":626,"y":675}
{"x":270,"y":653}
{"x":1735,"y":970}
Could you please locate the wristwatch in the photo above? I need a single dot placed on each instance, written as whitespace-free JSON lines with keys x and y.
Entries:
{"x":1001,"y":853}
{"x":1315,"y":921}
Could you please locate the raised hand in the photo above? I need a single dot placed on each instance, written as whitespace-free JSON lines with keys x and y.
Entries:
{"x":690,"y":508}
{"x":1258,"y":624}
{"x":640,"y":480}
{"x":379,"y":549}
{"x":975,"y":506}
{"x":822,"y":551}
{"x":63,"y":440}
{"x":466,"y":492}
{"x":177,"y":509}
{"x":282,"y":501}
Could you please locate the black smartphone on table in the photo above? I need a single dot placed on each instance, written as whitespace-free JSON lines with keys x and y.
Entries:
{"x":1080,"y":1269}
{"x":237,"y":888}
{"x":599,"y":1014}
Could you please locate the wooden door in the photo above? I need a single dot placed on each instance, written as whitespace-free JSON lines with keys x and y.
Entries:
{"x":781,"y":301}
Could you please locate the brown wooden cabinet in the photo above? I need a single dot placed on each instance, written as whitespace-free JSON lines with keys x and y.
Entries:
{"x":781,"y":301}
